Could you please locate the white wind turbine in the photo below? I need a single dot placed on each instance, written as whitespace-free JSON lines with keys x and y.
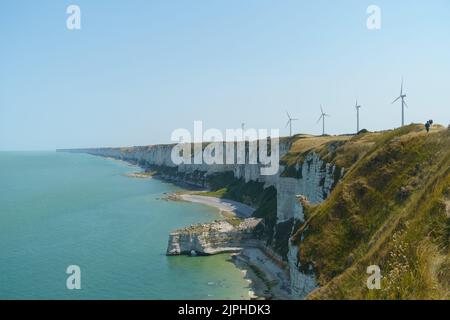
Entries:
{"x":357,"y":116}
{"x":289,"y":122}
{"x":322,"y":116}
{"x":402,"y":96}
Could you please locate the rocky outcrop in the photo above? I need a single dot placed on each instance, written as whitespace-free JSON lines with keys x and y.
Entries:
{"x":213,"y":238}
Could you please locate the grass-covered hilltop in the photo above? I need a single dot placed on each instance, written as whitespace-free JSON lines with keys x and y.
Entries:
{"x":391,"y":209}
{"x":338,"y":205}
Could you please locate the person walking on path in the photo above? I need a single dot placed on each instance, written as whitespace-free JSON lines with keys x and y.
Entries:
{"x":428,"y":125}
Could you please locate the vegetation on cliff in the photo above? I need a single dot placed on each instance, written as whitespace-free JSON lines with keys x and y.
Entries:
{"x":342,"y":151}
{"x":392,"y":209}
{"x":225,"y":185}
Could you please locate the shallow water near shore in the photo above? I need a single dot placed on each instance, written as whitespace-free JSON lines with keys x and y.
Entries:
{"x":60,"y":209}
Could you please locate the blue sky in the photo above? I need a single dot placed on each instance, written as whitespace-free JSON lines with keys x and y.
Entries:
{"x":137,"y":70}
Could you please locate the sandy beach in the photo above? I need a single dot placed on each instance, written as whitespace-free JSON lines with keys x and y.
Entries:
{"x":239,"y":209}
{"x":267,"y":279}
{"x":139,"y":175}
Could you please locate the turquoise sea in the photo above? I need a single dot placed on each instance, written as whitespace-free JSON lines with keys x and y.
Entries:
{"x":61,"y":209}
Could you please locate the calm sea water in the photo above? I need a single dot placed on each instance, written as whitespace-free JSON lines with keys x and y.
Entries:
{"x":59,"y":209}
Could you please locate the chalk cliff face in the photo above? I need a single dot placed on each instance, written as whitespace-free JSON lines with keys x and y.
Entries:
{"x":301,"y":283}
{"x":315,"y":180}
{"x":160,"y":155}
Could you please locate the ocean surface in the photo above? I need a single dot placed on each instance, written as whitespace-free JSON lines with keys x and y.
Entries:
{"x":61,"y":209}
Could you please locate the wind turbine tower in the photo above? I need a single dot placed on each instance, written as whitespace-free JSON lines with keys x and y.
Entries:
{"x":289,"y":122}
{"x":322,"y":116}
{"x":357,"y":116}
{"x":402,"y":96}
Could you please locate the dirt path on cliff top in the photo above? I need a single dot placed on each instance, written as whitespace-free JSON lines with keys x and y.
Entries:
{"x":239,"y":209}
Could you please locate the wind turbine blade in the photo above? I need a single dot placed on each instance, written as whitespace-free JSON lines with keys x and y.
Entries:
{"x":294,"y":119}
{"x":319,"y":118}
{"x":401,"y":88}
{"x":396,"y":99}
{"x":321,"y":109}
{"x":288,"y":115}
{"x":287,"y":123}
{"x":406,"y":104}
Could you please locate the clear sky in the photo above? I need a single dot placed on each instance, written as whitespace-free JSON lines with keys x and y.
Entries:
{"x":137,"y":70}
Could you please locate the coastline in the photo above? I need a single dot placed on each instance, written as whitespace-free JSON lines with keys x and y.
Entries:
{"x":139,"y":175}
{"x":266,"y":275}
{"x":266,"y":278}
{"x":239,"y":209}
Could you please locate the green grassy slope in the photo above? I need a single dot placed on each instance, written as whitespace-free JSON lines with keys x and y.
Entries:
{"x":391,"y":209}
